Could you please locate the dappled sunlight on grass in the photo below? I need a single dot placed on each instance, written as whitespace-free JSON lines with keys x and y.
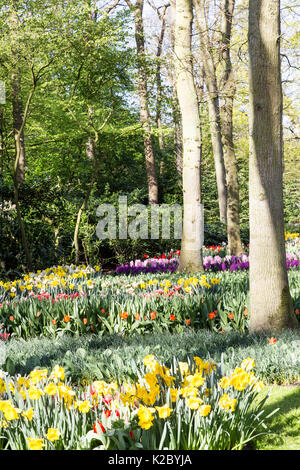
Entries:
{"x":285,"y":424}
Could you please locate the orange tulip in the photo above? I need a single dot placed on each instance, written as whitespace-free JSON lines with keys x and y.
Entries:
{"x":272,"y":340}
{"x":188,"y":321}
{"x":85,"y":320}
{"x":230,"y":315}
{"x":153,"y":315}
{"x":54,"y":322}
{"x":137,"y":316}
{"x":11,"y":318}
{"x":172,"y":317}
{"x":124,"y":315}
{"x":67,"y":318}
{"x":212,"y":315}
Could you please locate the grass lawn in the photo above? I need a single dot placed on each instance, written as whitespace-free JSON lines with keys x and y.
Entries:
{"x":285,"y":424}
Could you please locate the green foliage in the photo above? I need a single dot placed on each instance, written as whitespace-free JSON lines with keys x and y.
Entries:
{"x":114,"y":356}
{"x":85,"y":71}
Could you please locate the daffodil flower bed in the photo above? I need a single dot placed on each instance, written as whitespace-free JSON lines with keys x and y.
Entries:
{"x":192,"y":405}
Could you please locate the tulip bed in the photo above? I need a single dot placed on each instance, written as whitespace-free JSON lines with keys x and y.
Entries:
{"x":215,"y":258}
{"x":76,"y":301}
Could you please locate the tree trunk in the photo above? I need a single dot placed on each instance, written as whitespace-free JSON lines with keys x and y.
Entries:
{"x":159,"y":82}
{"x":191,"y":243}
{"x":199,"y":86}
{"x":158,"y":115}
{"x":228,"y":91}
{"x":1,"y":141}
{"x":16,"y":199}
{"x":177,"y":130}
{"x":78,"y":220}
{"x":18,"y":147}
{"x":175,"y":105}
{"x":143,"y":97}
{"x":17,"y":123}
{"x":17,"y":105}
{"x":213,"y":107}
{"x":270,"y":300}
{"x":177,"y":133}
{"x":90,"y":153}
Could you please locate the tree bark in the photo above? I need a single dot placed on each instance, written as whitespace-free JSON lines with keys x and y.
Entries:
{"x":90,"y":153}
{"x":17,"y":123}
{"x":175,"y":105}
{"x":18,"y":146}
{"x":213,"y":106}
{"x":191,"y":243}
{"x":1,"y":141}
{"x":270,"y":300}
{"x":159,"y":89}
{"x":228,"y":92}
{"x":199,"y":87}
{"x":177,"y":131}
{"x":143,"y":97}
{"x":17,"y":105}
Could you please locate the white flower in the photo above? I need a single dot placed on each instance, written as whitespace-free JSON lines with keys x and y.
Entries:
{"x":3,"y":374}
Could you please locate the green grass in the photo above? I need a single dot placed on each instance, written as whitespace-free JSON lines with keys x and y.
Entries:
{"x":285,"y":424}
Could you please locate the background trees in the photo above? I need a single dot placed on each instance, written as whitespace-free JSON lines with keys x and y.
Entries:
{"x":83,"y":136}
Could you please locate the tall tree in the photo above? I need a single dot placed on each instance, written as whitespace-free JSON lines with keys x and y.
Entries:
{"x":158,"y":78}
{"x":270,"y":300}
{"x":191,"y":243}
{"x":92,"y":92}
{"x":1,"y":140}
{"x":228,"y":92}
{"x":137,"y":10}
{"x":209,"y":69}
{"x":17,"y":105}
{"x":23,"y":53}
{"x":174,"y":99}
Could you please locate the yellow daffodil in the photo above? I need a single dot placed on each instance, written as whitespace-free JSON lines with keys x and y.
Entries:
{"x":227,"y":403}
{"x":35,"y":444}
{"x":53,"y":434}
{"x":204,"y":410}
{"x":28,"y":414}
{"x":164,"y":411}
{"x":84,"y":406}
{"x":194,"y":402}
